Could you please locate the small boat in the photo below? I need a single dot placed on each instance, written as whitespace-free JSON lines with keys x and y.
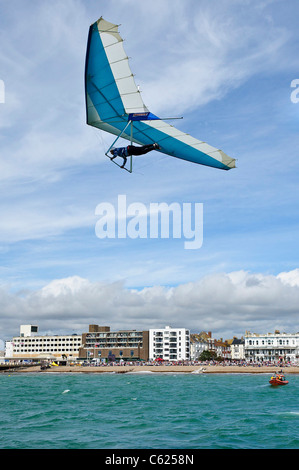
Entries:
{"x":278,"y":379}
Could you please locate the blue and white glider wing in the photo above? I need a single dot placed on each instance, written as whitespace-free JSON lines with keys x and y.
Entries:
{"x":113,"y":99}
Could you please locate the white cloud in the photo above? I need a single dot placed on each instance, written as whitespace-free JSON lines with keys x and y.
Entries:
{"x":290,"y":278}
{"x":210,"y":49}
{"x":226,"y":303}
{"x":44,"y":112}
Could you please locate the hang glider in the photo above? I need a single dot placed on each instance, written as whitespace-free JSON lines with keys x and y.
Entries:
{"x":114,"y":103}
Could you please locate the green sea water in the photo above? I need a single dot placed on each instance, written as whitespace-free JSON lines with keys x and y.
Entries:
{"x":147,"y":411}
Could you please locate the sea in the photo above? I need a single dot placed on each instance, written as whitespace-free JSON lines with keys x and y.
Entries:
{"x":147,"y":410}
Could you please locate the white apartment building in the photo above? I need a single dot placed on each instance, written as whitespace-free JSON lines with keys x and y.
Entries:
{"x":169,"y":344}
{"x":29,"y":345}
{"x":198,"y":346}
{"x":272,"y":347}
{"x":237,"y":349}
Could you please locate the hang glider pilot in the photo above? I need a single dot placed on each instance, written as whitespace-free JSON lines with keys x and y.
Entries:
{"x":125,"y":152}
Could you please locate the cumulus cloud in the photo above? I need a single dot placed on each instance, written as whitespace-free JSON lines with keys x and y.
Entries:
{"x":209,"y":50}
{"x":290,"y":278}
{"x":225,"y":303}
{"x":42,"y":66}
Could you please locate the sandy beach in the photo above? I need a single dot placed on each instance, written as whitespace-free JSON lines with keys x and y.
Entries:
{"x":209,"y":369}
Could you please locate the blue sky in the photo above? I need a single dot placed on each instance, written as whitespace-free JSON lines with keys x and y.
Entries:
{"x":227,"y":68}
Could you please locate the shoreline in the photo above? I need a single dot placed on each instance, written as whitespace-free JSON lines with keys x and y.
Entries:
{"x":196,"y":369}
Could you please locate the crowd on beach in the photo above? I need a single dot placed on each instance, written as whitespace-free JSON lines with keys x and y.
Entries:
{"x":226,"y":363}
{"x":195,"y":367}
{"x":203,"y":366}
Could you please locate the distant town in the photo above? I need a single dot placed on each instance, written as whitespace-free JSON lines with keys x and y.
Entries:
{"x":172,"y":345}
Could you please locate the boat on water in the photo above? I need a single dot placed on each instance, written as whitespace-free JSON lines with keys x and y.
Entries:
{"x":278,"y":379}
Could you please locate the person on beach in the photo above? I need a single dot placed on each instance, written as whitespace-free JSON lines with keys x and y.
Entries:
{"x":125,"y":152}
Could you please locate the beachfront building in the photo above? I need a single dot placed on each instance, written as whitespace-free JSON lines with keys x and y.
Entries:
{"x":218,"y":347}
{"x":237,"y":348}
{"x":272,"y":347}
{"x":199,"y":342}
{"x":169,"y":344}
{"x":29,"y":345}
{"x":124,"y":345}
{"x":222,"y":349}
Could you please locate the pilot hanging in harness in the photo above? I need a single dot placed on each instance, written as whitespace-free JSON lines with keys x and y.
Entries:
{"x":125,"y":152}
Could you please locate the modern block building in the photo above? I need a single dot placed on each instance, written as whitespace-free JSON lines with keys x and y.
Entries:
{"x":101,"y":343}
{"x":32,"y":346}
{"x":169,"y":344}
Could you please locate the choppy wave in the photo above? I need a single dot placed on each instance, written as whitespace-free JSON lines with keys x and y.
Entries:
{"x":141,"y":372}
